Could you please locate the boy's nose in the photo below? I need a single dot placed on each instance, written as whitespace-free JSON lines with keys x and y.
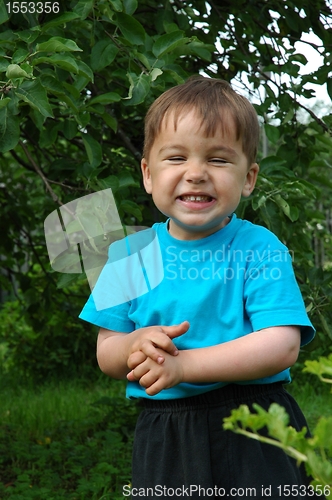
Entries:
{"x":196,"y":172}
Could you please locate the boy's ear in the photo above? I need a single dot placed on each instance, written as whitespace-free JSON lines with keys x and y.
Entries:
{"x":251,"y":179}
{"x":147,"y":181}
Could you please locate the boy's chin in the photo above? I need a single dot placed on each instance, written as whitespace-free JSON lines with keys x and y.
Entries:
{"x":186,"y":231}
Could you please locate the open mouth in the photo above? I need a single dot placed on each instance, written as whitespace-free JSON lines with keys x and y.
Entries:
{"x":198,"y":198}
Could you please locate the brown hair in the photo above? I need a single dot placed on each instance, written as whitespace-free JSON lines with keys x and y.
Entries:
{"x":210,"y":97}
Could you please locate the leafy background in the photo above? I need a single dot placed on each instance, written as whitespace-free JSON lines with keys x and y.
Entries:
{"x":75,"y":85}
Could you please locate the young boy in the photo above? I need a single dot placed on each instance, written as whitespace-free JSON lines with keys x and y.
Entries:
{"x":225,"y":323}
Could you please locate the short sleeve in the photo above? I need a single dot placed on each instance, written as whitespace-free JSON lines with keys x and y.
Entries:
{"x":112,"y":318}
{"x":272,"y":295}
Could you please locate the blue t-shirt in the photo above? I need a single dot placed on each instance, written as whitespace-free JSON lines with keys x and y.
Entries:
{"x":227,"y":285}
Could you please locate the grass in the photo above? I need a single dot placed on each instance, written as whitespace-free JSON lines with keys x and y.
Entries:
{"x":72,"y":440}
{"x":35,"y":410}
{"x":66,"y":441}
{"x":313,"y":397}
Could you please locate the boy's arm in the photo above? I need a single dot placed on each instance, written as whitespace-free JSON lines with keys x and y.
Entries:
{"x":260,"y":354}
{"x":114,"y":348}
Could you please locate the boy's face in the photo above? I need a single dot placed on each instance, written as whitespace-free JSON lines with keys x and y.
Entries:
{"x":195,"y":180}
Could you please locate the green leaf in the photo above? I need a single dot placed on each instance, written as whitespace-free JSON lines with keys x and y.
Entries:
{"x":176,"y":72}
{"x":132,"y":208}
{"x":130,"y":6}
{"x":93,"y":150}
{"x":68,"y":279}
{"x":131,"y":29}
{"x":83,"y":8}
{"x":324,"y":140}
{"x":85,"y":70}
{"x":168,"y":42}
{"x":110,"y":182}
{"x":117,"y":5}
{"x":271,"y":162}
{"x":58,"y":44}
{"x":91,"y":224}
{"x":3,"y":13}
{"x":103,"y":54}
{"x":3,"y":64}
{"x":106,"y":98}
{"x":139,"y":89}
{"x":49,"y":134}
{"x":289,"y":116}
{"x":155,"y":73}
{"x":202,"y":50}
{"x":126,"y":179}
{"x":52,"y":84}
{"x":329,"y":87}
{"x":27,"y":36}
{"x":110,"y":121}
{"x":15,"y":71}
{"x":321,"y":367}
{"x":63,"y":19}
{"x":70,"y":129}
{"x":291,"y":212}
{"x":292,"y":19}
{"x":258,"y":201}
{"x":56,"y":88}
{"x":9,"y":128}
{"x":35,"y":95}
{"x":20,"y":55}
{"x":272,"y":133}
{"x":4,"y":102}
{"x":63,"y":61}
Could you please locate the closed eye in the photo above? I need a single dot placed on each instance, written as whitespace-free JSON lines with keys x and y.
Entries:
{"x":218,"y":161}
{"x":176,"y":159}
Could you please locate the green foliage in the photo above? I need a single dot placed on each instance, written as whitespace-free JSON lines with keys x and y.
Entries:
{"x":321,"y":368}
{"x":315,"y":452}
{"x":60,"y":348}
{"x":65,"y":442}
{"x":75,"y":85}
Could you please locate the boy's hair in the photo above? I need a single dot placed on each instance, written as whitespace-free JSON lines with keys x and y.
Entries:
{"x":213,"y":100}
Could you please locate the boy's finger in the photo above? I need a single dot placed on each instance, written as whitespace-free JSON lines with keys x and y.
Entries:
{"x":135,"y":359}
{"x":131,"y":377}
{"x":159,"y":340}
{"x":176,"y":330}
{"x":155,"y":350}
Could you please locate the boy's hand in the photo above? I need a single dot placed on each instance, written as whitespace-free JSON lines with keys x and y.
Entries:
{"x":155,"y":377}
{"x":149,"y":339}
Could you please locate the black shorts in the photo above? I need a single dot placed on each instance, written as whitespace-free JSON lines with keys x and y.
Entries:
{"x":182,"y":451}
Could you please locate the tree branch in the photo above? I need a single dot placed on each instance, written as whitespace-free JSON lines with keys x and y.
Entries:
{"x":265,"y":77}
{"x":311,"y":113}
{"x":41,"y":174}
{"x":54,"y":196}
{"x":129,"y":145}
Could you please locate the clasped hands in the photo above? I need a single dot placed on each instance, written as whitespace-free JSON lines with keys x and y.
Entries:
{"x":154,"y":360}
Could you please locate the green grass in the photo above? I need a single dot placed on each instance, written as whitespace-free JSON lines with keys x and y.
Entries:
{"x":36,"y":410}
{"x":66,"y":441}
{"x":73,"y":440}
{"x":313,"y":397}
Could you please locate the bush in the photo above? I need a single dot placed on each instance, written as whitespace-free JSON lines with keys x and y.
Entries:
{"x":56,"y":345}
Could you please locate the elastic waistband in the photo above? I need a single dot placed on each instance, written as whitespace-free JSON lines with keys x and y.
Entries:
{"x":216,"y":397}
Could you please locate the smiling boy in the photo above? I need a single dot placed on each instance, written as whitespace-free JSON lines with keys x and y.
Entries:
{"x":218,"y":332}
